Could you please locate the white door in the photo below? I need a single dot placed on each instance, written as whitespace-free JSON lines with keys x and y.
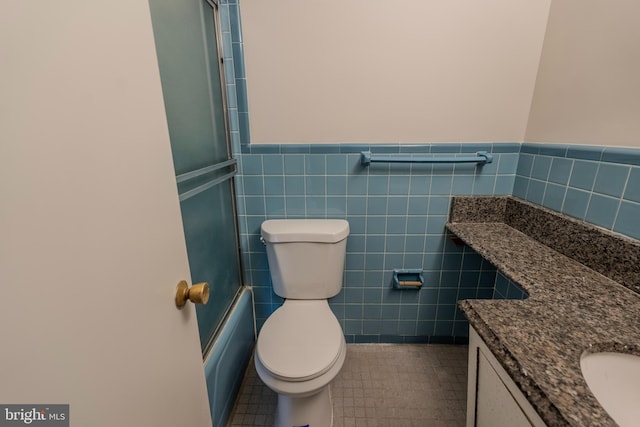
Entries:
{"x":91,"y":241}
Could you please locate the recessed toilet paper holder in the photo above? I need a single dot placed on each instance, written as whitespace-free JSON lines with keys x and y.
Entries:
{"x":407,"y":278}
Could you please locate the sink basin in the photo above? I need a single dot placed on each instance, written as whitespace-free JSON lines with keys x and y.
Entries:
{"x":614,"y":379}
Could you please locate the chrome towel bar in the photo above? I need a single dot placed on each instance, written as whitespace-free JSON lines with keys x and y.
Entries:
{"x":366,"y":158}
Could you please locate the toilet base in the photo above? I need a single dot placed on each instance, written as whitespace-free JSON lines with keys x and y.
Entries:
{"x":312,"y":411}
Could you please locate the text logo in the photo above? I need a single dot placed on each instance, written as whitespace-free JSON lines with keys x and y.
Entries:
{"x":35,"y":415}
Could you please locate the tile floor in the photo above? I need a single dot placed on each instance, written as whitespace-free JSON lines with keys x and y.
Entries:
{"x":380,"y":385}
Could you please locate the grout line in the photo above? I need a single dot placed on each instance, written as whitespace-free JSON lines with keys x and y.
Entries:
{"x":567,"y":186}
{"x":590,"y":191}
{"x":624,"y":189}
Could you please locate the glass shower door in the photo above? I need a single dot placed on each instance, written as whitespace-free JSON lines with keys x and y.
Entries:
{"x":187,"y":44}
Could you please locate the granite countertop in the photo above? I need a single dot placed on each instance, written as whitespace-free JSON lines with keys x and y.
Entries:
{"x":571,"y":308}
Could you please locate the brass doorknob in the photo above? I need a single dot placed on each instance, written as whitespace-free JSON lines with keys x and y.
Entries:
{"x":197,"y":294}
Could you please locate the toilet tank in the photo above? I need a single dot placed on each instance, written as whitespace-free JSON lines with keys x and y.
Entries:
{"x":306,"y":256}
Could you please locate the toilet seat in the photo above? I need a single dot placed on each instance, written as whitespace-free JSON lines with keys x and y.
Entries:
{"x":300,"y":341}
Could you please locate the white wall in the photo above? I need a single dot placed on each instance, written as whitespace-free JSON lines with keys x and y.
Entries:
{"x":380,"y":71}
{"x":588,"y":87}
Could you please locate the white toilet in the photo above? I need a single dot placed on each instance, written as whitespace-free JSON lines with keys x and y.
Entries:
{"x":301,"y":347}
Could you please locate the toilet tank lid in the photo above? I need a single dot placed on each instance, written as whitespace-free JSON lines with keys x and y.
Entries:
{"x":305,"y":230}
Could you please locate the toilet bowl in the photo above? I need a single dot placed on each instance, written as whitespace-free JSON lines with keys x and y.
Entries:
{"x":300,"y":350}
{"x":301,"y":346}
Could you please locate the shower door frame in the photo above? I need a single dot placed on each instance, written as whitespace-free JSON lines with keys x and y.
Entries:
{"x":213,"y":175}
{"x":215,"y":9}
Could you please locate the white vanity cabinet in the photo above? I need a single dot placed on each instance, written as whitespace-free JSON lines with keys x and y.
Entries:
{"x":493,"y":399}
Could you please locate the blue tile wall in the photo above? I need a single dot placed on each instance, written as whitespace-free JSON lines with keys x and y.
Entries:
{"x":228,"y":359}
{"x":397,"y":215}
{"x":236,"y":82}
{"x":600,"y":185}
{"x":505,"y":288}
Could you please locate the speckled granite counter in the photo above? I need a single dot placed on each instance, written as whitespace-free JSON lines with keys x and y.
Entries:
{"x":571,"y":308}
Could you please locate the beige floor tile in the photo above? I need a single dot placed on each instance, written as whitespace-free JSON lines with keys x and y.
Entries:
{"x":380,"y":385}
